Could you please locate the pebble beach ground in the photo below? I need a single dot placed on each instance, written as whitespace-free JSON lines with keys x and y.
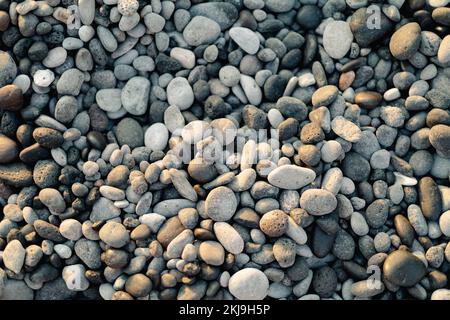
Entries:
{"x":244,"y":149}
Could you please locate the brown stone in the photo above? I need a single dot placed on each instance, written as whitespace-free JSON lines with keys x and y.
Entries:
{"x":11,"y":97}
{"x":368,"y":99}
{"x":169,"y":230}
{"x":4,"y":21}
{"x":346,"y":79}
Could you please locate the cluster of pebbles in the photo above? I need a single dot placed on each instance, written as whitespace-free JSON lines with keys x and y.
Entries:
{"x":244,"y":149}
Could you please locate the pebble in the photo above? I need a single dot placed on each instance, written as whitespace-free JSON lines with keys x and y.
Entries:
{"x":444,"y":223}
{"x":114,"y":234}
{"x":404,"y":269}
{"x":179,"y":93}
{"x":225,"y":14}
{"x":109,"y":100}
{"x":184,"y":56}
{"x":346,"y":129}
{"x":14,"y":256}
{"x":291,"y":177}
{"x":318,"y":202}
{"x":212,"y":253}
{"x":201,"y":30}
{"x":156,"y":137}
{"x":337,"y":39}
{"x":405,"y":41}
{"x":249,"y":284}
{"x":228,"y":237}
{"x":52,"y":199}
{"x":135,"y":95}
{"x":220,"y":204}
{"x":55,"y":57}
{"x":136,"y":146}
{"x":246,"y":39}
{"x":274,"y":223}
{"x":8,"y":149}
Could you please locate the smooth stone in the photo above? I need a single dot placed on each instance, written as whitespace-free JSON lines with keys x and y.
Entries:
{"x":443,"y":53}
{"x":291,"y":177}
{"x":14,"y":256}
{"x":246,"y":39}
{"x":135,"y":95}
{"x":11,"y":98}
{"x":346,"y":129}
{"x":8,"y":68}
{"x":109,"y":100}
{"x":184,"y":56}
{"x":55,"y":57}
{"x":176,"y":246}
{"x":170,"y":207}
{"x":129,"y":132}
{"x":212,"y":253}
{"x":74,"y":277}
{"x":251,"y":89}
{"x":439,"y":137}
{"x":156,"y":137}
{"x":405,"y":41}
{"x":366,"y":29}
{"x":430,"y":198}
{"x":87,"y":11}
{"x":444,"y":223}
{"x":182,"y":185}
{"x":104,"y":209}
{"x":224,"y":13}
{"x":318,"y":201}
{"x":404,"y":269}
{"x":201,"y":30}
{"x":180,"y":93}
{"x":8,"y":149}
{"x":230,"y":239}
{"x":114,"y":234}
{"x":53,"y":200}
{"x":220,"y":204}
{"x":249,"y":284}
{"x":337,"y":39}
{"x":70,"y":82}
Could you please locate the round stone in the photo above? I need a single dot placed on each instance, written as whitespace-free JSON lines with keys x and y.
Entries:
{"x":138,"y":285}
{"x":43,"y":78}
{"x":405,"y":41}
{"x":156,"y":137}
{"x":337,"y":39}
{"x":53,"y":200}
{"x":318,"y":201}
{"x":221,"y":204}
{"x":179,"y":93}
{"x":249,"y":284}
{"x":201,"y":30}
{"x":8,"y":149}
{"x":129,"y":132}
{"x":11,"y":98}
{"x":8,"y":68}
{"x":135,"y":95}
{"x":246,"y":39}
{"x":212,"y":253}
{"x":114,"y":234}
{"x":440,"y":139}
{"x":404,"y":269}
{"x":274,"y":223}
{"x":109,"y":100}
{"x":444,"y":223}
